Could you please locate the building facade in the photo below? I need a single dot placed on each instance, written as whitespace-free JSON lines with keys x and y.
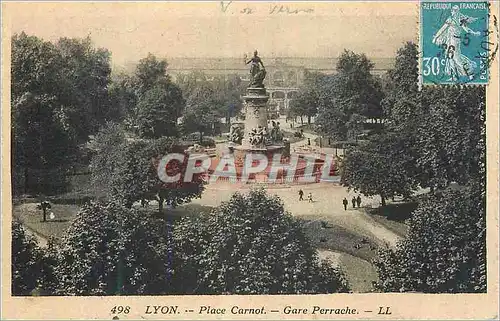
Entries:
{"x":284,"y":74}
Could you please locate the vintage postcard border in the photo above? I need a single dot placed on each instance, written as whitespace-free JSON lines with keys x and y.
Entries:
{"x":404,"y":306}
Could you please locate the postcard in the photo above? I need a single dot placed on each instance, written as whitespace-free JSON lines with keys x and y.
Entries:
{"x":250,"y":160}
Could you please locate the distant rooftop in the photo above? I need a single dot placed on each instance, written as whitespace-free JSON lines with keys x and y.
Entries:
{"x":313,"y":63}
{"x":179,"y":64}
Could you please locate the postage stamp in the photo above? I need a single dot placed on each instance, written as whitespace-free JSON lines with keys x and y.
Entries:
{"x":249,"y":160}
{"x":455,"y":44}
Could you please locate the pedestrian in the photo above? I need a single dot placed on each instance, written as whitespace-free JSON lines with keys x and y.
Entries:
{"x":310,"y":197}
{"x":353,"y":202}
{"x":345,"y":202}
{"x":309,"y":141}
{"x":301,"y":195}
{"x":358,"y":201}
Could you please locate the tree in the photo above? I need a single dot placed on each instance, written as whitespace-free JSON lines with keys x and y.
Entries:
{"x":451,"y":136}
{"x":153,"y":103}
{"x":402,"y":101}
{"x":158,"y":110}
{"x":148,"y":72}
{"x":123,"y":99}
{"x":307,"y":101}
{"x":128,"y":172}
{"x":106,"y":149}
{"x":445,"y":250}
{"x":352,"y":91}
{"x":26,"y":261}
{"x":442,"y":129}
{"x":228,"y":91}
{"x":356,"y":83}
{"x":41,"y":147}
{"x":83,"y":85}
{"x":35,"y":66}
{"x":111,"y":250}
{"x":201,"y":111}
{"x":59,"y":97}
{"x":249,"y":245}
{"x":379,"y":167}
{"x":189,"y":82}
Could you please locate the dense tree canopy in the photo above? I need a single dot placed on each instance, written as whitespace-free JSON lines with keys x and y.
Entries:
{"x":349,"y":97}
{"x":250,"y":245}
{"x":106,"y":157}
{"x":84,"y":79}
{"x":201,"y":111}
{"x":59,"y":97}
{"x":380,"y":167}
{"x":111,"y":250}
{"x":158,"y":110}
{"x":442,"y":138}
{"x":307,"y":101}
{"x":148,"y":72}
{"x":26,"y":263}
{"x":437,"y":133}
{"x":445,"y":250}
{"x":128,"y":172}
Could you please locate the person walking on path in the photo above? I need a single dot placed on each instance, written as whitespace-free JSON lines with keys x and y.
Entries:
{"x":353,"y":202}
{"x":309,"y":141}
{"x":301,"y":195}
{"x":310,"y":197}
{"x":358,"y":201}
{"x":345,"y":202}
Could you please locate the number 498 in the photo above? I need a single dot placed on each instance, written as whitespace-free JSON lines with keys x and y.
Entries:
{"x":431,"y":65}
{"x":120,"y":309}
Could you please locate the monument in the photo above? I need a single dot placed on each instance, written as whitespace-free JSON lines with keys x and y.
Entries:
{"x":256,"y":136}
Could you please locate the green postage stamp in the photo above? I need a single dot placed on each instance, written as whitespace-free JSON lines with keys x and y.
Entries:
{"x":454,"y":43}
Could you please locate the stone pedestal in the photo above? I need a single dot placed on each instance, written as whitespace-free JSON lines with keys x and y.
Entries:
{"x":255,"y":104}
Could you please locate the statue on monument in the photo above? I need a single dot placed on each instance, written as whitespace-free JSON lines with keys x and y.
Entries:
{"x":235,"y":134}
{"x":276,"y":133}
{"x":257,"y":71}
{"x":258,"y":136}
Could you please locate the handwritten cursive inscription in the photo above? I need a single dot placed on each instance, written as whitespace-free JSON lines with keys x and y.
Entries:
{"x":281,"y":9}
{"x":274,"y":9}
{"x":224,"y":5}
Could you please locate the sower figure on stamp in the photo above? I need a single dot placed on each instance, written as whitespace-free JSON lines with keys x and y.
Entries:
{"x":449,"y":37}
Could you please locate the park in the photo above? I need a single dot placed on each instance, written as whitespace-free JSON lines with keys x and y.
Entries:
{"x":93,"y":215}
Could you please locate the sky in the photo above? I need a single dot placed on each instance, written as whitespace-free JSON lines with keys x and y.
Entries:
{"x":208,"y":29}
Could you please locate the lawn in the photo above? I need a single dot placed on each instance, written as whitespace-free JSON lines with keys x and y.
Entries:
{"x":354,"y":252}
{"x":31,"y":217}
{"x":359,"y":273}
{"x":339,"y":239}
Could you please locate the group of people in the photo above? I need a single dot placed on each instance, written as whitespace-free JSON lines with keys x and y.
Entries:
{"x":309,"y":196}
{"x":355,"y":201}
